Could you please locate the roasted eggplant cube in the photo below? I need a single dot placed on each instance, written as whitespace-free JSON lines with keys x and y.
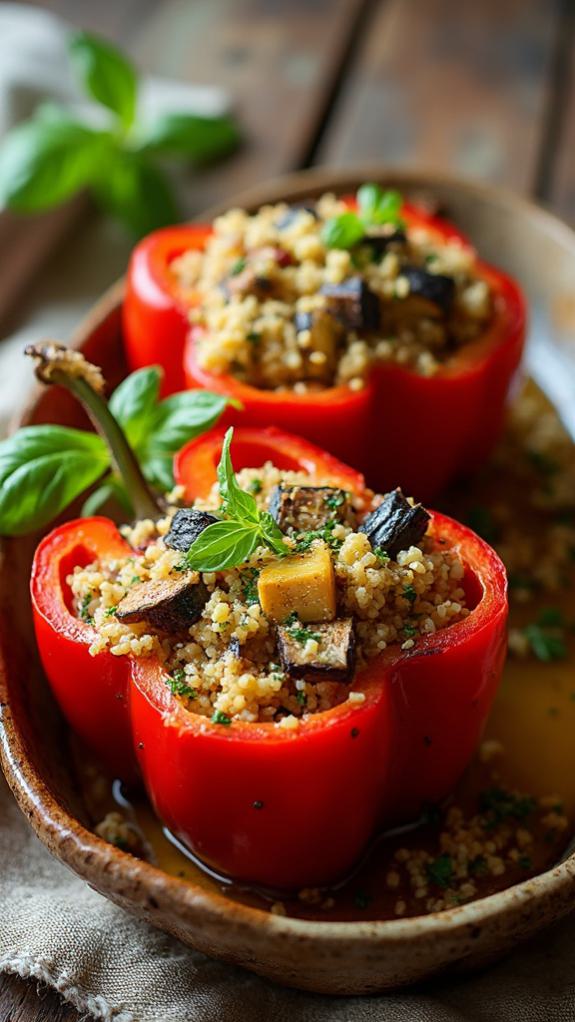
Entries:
{"x":396,"y":524}
{"x":187,"y":524}
{"x":334,"y":659}
{"x":305,"y":508}
{"x":381,"y":240}
{"x":292,"y":212}
{"x":171,"y":605}
{"x":353,"y":304}
{"x":435,"y":288}
{"x":303,"y":584}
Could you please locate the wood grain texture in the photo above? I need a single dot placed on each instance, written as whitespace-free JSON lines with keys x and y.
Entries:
{"x":450,"y":85}
{"x":558,"y":167}
{"x":278,"y":59}
{"x":27,"y":1001}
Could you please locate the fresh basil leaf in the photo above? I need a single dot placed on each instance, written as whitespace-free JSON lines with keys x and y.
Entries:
{"x":47,"y":160}
{"x":237,"y":503}
{"x":137,"y":193}
{"x":272,"y":533}
{"x":42,"y":470}
{"x":183,"y":416}
{"x":377,"y":207}
{"x":200,"y":138}
{"x":134,"y":403}
{"x":106,"y":74}
{"x":369,"y":197}
{"x":343,"y":231}
{"x":171,"y":424}
{"x":222,"y":545}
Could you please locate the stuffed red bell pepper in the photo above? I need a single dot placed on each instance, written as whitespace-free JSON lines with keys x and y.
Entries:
{"x":365,"y":322}
{"x":294,"y":663}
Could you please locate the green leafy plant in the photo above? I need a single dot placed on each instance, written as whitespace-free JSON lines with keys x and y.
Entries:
{"x":51,"y":157}
{"x":44,"y":468}
{"x":374,"y":209}
{"x":546,"y":635}
{"x":243,"y":527}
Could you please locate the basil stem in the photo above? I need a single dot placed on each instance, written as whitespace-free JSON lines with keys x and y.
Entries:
{"x":68,"y":368}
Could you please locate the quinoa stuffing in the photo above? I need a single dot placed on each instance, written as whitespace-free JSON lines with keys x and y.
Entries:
{"x":282,"y":299}
{"x":244,"y":655}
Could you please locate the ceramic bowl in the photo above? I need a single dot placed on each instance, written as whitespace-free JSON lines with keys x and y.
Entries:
{"x":338,"y":958}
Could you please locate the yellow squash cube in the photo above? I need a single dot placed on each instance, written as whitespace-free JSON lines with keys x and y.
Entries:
{"x":304,"y":583}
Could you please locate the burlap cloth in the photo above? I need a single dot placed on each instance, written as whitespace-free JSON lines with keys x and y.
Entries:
{"x":56,"y":929}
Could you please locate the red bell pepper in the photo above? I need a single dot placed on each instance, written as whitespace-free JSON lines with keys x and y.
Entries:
{"x":378,"y":429}
{"x":281,"y":808}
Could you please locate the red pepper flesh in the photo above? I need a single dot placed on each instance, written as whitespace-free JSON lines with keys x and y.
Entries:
{"x":277,"y":807}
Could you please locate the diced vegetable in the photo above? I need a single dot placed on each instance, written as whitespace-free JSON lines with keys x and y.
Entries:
{"x":303,"y":508}
{"x":186,"y":526}
{"x":324,"y":652}
{"x":396,"y":524}
{"x":302,"y":585}
{"x":169,"y":604}
{"x":353,"y":304}
{"x":435,"y":288}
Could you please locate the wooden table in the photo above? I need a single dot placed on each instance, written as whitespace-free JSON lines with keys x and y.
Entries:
{"x":484,"y":89}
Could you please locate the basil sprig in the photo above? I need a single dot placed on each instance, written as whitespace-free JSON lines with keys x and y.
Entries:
{"x":375,"y":208}
{"x":49,"y":158}
{"x":44,"y":468}
{"x":244,"y":527}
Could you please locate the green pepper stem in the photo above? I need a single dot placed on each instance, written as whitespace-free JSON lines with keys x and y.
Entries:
{"x":68,"y":368}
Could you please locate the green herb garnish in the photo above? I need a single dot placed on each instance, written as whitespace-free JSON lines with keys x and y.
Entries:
{"x":375,"y":208}
{"x":410,"y":630}
{"x":249,"y":580}
{"x":237,"y":267}
{"x":253,"y":337}
{"x":335,"y":500}
{"x":440,"y":870}
{"x":255,"y":486}
{"x":381,"y":554}
{"x":546,"y":636}
{"x":84,"y":613}
{"x":409,"y":593}
{"x":497,"y":805}
{"x":176,"y":682}
{"x":301,"y":697}
{"x":54,"y":155}
{"x":300,"y":632}
{"x":221,"y":718}
{"x":305,"y":539}
{"x":230,"y":542}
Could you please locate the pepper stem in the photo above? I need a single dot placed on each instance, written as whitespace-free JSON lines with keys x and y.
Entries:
{"x":68,"y":368}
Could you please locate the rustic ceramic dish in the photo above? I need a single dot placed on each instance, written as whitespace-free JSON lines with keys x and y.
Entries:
{"x":339,"y":958}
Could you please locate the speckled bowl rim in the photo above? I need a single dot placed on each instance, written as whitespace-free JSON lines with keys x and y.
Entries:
{"x":555,"y":887}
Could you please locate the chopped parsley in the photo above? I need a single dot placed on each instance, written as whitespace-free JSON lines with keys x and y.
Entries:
{"x":497,"y":805}
{"x":178,"y":686}
{"x":546,"y":636}
{"x":134,"y":579}
{"x":305,"y":539}
{"x":440,"y":870}
{"x":409,"y":593}
{"x":301,"y":697}
{"x":237,"y":267}
{"x":302,"y":634}
{"x":84,"y":612}
{"x":255,"y":486}
{"x":254,"y":338}
{"x":409,"y":630}
{"x":249,"y":582}
{"x":335,"y":500}
{"x":110,"y":611}
{"x":221,"y":718}
{"x":381,"y":554}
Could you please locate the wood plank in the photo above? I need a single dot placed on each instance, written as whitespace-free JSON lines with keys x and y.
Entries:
{"x":279,"y":61}
{"x":26,"y":1001}
{"x":557,"y":186}
{"x":452,"y":86}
